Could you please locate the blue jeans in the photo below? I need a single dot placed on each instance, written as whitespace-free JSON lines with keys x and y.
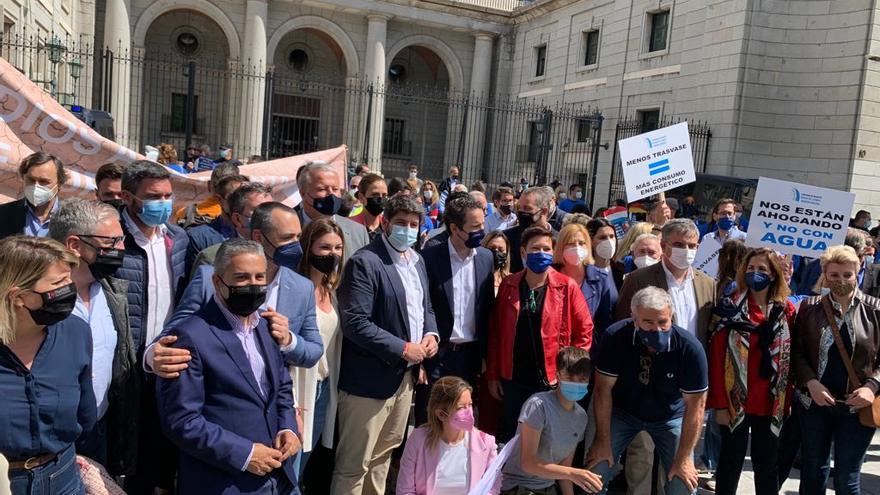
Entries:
{"x":59,"y":477}
{"x":819,"y":427}
{"x":665,"y":434}
{"x":711,"y":443}
{"x":322,"y":400}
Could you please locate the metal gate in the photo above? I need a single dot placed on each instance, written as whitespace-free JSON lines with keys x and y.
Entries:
{"x":700,"y":135}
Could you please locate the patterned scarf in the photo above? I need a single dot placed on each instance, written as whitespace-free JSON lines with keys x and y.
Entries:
{"x":775,"y":346}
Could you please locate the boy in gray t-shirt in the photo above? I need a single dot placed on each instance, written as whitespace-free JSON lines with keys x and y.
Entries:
{"x":550,"y":426}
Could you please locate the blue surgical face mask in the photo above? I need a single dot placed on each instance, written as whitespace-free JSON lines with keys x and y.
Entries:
{"x":657,"y":340}
{"x":573,"y":391}
{"x":287,"y":255}
{"x":402,"y":238}
{"x":539,"y":262}
{"x":725,"y":223}
{"x":757,"y":281}
{"x":155,"y":212}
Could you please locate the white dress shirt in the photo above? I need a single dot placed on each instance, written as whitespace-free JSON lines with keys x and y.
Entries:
{"x":97,"y":315}
{"x":463,"y":296}
{"x":159,"y":292}
{"x":406,"y":264}
{"x":684,"y":299}
{"x":272,"y":302}
{"x":497,"y":221}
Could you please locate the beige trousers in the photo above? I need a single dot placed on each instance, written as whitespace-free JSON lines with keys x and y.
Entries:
{"x":369,"y":431}
{"x":640,"y":465}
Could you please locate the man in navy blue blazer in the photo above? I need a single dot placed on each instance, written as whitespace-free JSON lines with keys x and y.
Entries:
{"x":290,"y":301}
{"x":462,"y":289}
{"x":231,"y":414}
{"x":389,"y":329}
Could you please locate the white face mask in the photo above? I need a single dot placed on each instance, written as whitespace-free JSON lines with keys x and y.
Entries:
{"x":562,"y":195}
{"x":575,"y":255}
{"x":578,"y":195}
{"x":683,"y":258}
{"x":38,"y":195}
{"x":428,"y":195}
{"x":605,"y":249}
{"x":643,"y":261}
{"x":413,"y":175}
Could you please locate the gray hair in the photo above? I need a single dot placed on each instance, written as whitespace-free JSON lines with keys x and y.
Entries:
{"x":479,"y":197}
{"x":79,"y":217}
{"x":543,"y":195}
{"x":855,"y":239}
{"x":137,"y":172}
{"x":305,"y":177}
{"x":684,"y":226}
{"x":234,"y":247}
{"x":643,"y":237}
{"x":651,"y":298}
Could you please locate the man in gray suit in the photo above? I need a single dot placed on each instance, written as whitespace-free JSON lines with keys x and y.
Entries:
{"x":319,"y":187}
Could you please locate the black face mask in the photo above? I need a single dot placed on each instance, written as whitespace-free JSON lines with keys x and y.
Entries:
{"x":245,"y":299}
{"x":525,"y":219}
{"x":499,"y":259}
{"x":375,"y":205}
{"x":58,"y":304}
{"x":328,"y":205}
{"x":326,"y":264}
{"x":107,"y":261}
{"x":505,"y":209}
{"x":115,"y":203}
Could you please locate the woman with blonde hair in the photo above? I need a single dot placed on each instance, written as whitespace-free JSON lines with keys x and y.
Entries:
{"x":749,"y":371}
{"x":447,"y":455}
{"x":572,"y":256}
{"x":323,"y":246}
{"x":624,"y":248}
{"x":168,"y":157}
{"x":430,"y":199}
{"x":835,"y":363}
{"x":45,"y":367}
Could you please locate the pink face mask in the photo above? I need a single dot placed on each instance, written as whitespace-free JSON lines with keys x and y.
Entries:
{"x":463,"y":419}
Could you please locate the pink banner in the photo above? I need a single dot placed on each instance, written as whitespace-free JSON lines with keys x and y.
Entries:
{"x":30,"y":119}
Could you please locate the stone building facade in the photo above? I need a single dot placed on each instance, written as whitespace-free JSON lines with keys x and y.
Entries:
{"x":790,"y":89}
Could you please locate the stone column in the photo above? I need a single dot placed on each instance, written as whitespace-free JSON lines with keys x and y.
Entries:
{"x":375,"y":74}
{"x":476,"y":120}
{"x":252,"y":88}
{"x":117,"y":38}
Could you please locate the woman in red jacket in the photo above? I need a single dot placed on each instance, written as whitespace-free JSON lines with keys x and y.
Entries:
{"x":537,"y":312}
{"x":749,"y":371}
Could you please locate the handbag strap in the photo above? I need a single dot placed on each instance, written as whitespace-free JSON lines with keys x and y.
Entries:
{"x":844,"y":355}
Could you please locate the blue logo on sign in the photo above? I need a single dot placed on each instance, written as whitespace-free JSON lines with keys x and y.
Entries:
{"x":806,"y":198}
{"x":657,"y":141}
{"x":658,"y":167}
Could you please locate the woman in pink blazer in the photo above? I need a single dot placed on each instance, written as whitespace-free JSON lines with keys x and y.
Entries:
{"x":447,"y":455}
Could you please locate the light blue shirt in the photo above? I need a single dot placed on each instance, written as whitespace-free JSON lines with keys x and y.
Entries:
{"x":33,"y":226}
{"x":104,"y":338}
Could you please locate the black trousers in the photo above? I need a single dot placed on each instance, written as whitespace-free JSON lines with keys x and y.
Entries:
{"x":765,"y":449}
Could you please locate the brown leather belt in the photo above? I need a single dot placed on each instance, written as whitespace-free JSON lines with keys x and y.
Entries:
{"x":33,"y":462}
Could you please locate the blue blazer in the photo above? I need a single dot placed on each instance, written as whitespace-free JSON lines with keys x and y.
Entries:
{"x":296,"y":301}
{"x":215,"y":412}
{"x":601,"y":295}
{"x":439,"y":268}
{"x":372,"y":304}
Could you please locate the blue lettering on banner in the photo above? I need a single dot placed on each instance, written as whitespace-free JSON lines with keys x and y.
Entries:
{"x":659,"y":167}
{"x":787,"y":240}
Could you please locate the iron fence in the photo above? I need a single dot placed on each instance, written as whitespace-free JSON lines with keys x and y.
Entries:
{"x":183,"y":101}
{"x":700,"y":135}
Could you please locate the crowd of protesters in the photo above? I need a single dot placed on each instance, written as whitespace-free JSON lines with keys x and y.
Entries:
{"x":238,"y":345}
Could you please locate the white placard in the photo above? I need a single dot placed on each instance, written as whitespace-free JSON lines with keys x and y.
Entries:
{"x":707,"y":257}
{"x":493,"y":472}
{"x":799,"y":219}
{"x":657,"y":161}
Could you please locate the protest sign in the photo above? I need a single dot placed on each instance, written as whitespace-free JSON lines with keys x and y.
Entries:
{"x":657,"y":161}
{"x":707,"y":257}
{"x":491,"y":479}
{"x":799,"y":219}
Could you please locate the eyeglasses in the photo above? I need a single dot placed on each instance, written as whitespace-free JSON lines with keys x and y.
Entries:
{"x":114,"y":240}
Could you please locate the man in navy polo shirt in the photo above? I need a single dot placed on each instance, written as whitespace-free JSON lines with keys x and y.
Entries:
{"x":652,"y":377}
